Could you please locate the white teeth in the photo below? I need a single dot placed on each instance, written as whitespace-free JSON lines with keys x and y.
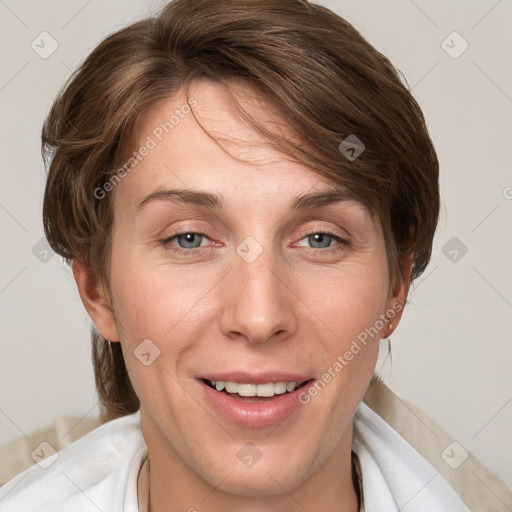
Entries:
{"x":268,"y":389}
{"x":290,"y":386}
{"x":247,"y":389}
{"x":265,"y":389}
{"x":231,"y":387}
{"x":280,"y":388}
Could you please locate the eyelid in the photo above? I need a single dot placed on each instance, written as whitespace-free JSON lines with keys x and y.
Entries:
{"x":184,"y":230}
{"x":205,"y":231}
{"x":326,"y":231}
{"x":341,"y":241}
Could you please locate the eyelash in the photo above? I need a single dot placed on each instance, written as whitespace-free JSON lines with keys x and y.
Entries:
{"x":166,"y":243}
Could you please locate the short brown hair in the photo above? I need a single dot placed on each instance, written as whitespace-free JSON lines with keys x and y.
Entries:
{"x":326,"y":80}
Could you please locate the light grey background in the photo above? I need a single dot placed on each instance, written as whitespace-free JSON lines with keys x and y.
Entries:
{"x":452,"y":353}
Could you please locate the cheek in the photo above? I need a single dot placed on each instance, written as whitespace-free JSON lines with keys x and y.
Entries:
{"x":152,"y":301}
{"x":346,"y":305}
{"x":347,"y":300}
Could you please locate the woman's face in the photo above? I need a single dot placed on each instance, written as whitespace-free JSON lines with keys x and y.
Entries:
{"x":259,"y":289}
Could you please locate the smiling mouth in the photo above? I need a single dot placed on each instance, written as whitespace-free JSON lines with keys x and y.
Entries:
{"x":255,"y":392}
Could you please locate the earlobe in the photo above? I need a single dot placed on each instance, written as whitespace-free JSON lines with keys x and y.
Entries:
{"x":95,"y":300}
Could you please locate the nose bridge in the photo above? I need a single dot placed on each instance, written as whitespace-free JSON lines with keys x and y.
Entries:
{"x":259,"y":304}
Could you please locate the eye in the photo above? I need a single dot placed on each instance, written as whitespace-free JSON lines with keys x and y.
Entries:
{"x":187,"y":242}
{"x":323,"y":240}
{"x":190,"y":240}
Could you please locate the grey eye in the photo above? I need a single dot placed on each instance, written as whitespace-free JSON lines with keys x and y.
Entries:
{"x":190,"y":240}
{"x":323,"y":239}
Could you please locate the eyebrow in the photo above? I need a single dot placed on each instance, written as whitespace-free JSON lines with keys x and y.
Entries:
{"x":216,"y":201}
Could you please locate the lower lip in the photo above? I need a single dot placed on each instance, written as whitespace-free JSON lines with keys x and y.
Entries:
{"x":254,"y":414}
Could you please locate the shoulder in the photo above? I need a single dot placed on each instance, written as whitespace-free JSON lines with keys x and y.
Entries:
{"x":406,"y":460}
{"x":394,"y":475}
{"x":89,"y":474}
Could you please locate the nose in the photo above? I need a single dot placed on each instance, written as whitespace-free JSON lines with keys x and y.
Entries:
{"x":258,"y":303}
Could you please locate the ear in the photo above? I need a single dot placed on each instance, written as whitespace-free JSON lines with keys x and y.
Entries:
{"x":398,"y":296}
{"x":95,"y":300}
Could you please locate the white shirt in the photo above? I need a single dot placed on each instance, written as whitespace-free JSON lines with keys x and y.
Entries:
{"x":100,"y":470}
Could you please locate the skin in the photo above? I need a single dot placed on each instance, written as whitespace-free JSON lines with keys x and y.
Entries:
{"x":297,"y":307}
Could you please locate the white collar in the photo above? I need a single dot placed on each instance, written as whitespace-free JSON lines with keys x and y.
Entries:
{"x":137,"y":484}
{"x":395,"y":477}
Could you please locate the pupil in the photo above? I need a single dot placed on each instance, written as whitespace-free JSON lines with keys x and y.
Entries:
{"x":189,"y":237}
{"x":319,"y":237}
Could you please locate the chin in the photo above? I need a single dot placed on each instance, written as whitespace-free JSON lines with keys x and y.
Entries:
{"x":263,"y":475}
{"x":257,"y":482}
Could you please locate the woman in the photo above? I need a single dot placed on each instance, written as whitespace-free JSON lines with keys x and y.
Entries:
{"x":245,"y":190}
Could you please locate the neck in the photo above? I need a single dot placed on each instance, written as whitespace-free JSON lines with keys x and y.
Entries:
{"x":174,"y":486}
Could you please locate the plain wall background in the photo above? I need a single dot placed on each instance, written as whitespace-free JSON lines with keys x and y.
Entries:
{"x":452,"y":352}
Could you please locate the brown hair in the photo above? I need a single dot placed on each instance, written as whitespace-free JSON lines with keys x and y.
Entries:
{"x":326,"y":80}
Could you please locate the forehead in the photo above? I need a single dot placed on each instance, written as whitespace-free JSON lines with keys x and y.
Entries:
{"x":211,"y":148}
{"x":207,"y":115}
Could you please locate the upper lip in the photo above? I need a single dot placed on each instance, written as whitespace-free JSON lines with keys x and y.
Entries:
{"x":256,"y":378}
